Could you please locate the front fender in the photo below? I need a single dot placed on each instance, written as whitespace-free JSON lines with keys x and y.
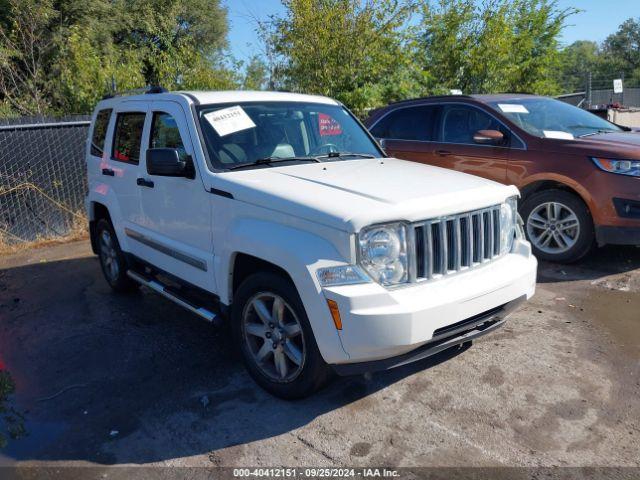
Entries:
{"x":300,"y":253}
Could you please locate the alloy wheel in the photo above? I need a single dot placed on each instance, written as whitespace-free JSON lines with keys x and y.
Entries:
{"x":273,"y":336}
{"x":109,"y":256}
{"x":553,"y":227}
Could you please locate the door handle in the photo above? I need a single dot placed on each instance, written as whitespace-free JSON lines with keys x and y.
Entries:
{"x":143,"y":182}
{"x":108,"y":172}
{"x":443,"y":153}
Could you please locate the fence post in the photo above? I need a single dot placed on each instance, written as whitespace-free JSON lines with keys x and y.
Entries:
{"x":588,"y":91}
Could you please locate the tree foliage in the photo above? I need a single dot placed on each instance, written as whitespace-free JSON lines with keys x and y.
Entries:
{"x":621,"y":51}
{"x":618,"y":56}
{"x":62,"y":56}
{"x":346,"y":49}
{"x":500,"y":45}
{"x":371,"y":52}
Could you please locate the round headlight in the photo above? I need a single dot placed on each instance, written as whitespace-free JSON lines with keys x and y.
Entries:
{"x":508,"y":215}
{"x":382,"y":246}
{"x":383,"y":253}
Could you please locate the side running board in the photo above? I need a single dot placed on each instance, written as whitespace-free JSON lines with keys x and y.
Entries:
{"x":165,"y":292}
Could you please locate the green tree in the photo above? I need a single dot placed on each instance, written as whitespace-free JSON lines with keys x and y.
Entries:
{"x":255,"y":74}
{"x":621,"y":52}
{"x":346,"y":49}
{"x":26,"y":46}
{"x":576,"y":61}
{"x":61,"y":56}
{"x":177,"y":40}
{"x":85,"y":71}
{"x":499,"y":45}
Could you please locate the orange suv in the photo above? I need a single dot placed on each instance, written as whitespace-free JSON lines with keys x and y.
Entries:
{"x":579,"y":175}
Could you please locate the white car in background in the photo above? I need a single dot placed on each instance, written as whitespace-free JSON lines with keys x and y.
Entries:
{"x":279,"y":213}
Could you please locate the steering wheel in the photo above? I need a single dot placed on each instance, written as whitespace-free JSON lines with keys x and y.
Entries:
{"x":325,"y":148}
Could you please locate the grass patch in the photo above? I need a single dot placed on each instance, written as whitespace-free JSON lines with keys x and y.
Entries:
{"x":11,"y":421}
{"x":79,"y":231}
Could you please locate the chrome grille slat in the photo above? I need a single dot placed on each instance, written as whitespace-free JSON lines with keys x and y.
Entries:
{"x":428,"y":257}
{"x":490,"y":232}
{"x":448,"y":245}
{"x":444,"y":255}
{"x":469,"y":242}
{"x":481,"y":237}
{"x":458,"y":245}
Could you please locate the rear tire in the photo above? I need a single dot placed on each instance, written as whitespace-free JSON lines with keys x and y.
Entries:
{"x":272,"y":331}
{"x":112,"y":260}
{"x":559,"y":226}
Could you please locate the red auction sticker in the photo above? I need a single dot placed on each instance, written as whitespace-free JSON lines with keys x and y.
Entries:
{"x":328,"y":126}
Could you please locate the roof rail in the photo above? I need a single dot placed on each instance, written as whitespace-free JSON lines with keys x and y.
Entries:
{"x":151,"y":89}
{"x":429,"y":97}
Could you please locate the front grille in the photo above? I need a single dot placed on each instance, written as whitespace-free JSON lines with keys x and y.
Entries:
{"x":448,"y":245}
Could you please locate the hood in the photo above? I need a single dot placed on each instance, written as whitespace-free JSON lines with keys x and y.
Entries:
{"x":625,"y":145}
{"x":351,"y":194}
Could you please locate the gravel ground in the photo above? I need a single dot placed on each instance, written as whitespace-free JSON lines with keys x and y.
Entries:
{"x":107,"y":379}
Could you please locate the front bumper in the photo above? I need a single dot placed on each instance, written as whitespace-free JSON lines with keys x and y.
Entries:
{"x":455,"y":335}
{"x":379,"y":323}
{"x":606,"y":235}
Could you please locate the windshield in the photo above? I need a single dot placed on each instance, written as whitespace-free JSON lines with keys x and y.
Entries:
{"x":263,"y":133}
{"x":549,"y":118}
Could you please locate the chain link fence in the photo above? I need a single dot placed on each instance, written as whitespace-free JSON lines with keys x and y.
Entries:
{"x":42,"y":178}
{"x":595,"y":91}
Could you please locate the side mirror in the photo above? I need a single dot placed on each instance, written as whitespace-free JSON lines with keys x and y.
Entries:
{"x":488,"y":137}
{"x":166,"y":162}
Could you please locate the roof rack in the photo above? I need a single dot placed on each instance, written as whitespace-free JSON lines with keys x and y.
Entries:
{"x":151,"y":89}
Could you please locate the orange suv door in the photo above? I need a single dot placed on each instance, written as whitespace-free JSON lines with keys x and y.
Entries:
{"x":455,"y":148}
{"x":407,"y":132}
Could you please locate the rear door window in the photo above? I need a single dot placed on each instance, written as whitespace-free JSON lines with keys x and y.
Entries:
{"x":128,"y":136}
{"x":100,"y":132}
{"x":410,"y":123}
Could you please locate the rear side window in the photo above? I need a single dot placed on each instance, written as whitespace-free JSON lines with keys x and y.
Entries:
{"x":410,"y":123}
{"x":166,"y":134}
{"x":127,"y":137}
{"x":100,"y":132}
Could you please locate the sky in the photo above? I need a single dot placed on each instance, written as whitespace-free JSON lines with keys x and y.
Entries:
{"x":597,"y":19}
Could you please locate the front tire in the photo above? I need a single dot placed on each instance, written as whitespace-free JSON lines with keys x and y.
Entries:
{"x":112,"y":260}
{"x":272,"y":331}
{"x":559,"y":226}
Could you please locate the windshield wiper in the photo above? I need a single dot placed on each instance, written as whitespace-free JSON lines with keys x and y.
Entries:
{"x":597,"y":130}
{"x":271,"y":160}
{"x":347,"y":154}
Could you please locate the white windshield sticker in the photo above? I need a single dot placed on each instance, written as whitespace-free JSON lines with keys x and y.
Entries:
{"x":558,"y":134}
{"x":229,"y":120}
{"x":512,"y":108}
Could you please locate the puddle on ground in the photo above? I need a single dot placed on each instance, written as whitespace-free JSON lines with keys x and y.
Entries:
{"x":39,"y":435}
{"x":618,"y":313}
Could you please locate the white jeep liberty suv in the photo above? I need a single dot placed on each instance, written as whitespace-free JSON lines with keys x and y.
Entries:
{"x":280,"y":213}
